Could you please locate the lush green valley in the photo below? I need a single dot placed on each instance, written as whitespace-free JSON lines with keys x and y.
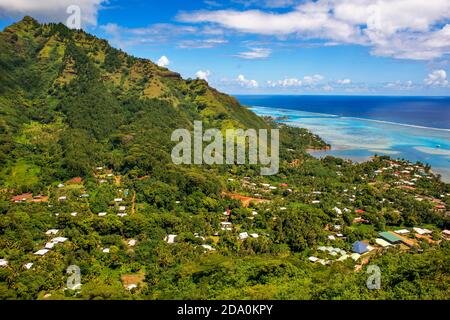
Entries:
{"x":86,"y":175}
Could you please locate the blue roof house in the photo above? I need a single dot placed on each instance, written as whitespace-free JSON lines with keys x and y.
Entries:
{"x":360,"y":247}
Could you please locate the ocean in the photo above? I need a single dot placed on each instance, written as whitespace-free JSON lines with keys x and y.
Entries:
{"x":357,"y":127}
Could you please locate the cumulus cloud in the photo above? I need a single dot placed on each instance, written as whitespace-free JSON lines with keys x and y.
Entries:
{"x":52,"y":10}
{"x":163,"y":61}
{"x":344,"y":81}
{"x":406,"y":29}
{"x":255,"y":53}
{"x":244,"y":82}
{"x":288,"y":82}
{"x":201,"y":43}
{"x":295,"y":82}
{"x":436,"y":78}
{"x":203,"y":75}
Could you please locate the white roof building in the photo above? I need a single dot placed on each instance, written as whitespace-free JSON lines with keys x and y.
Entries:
{"x":28,"y":265}
{"x":105,"y":250}
{"x":122,"y":214}
{"x":382,"y":242}
{"x":208,"y":247}
{"x":59,"y":240}
{"x":243,"y":235}
{"x":41,"y":252}
{"x":3,"y":263}
{"x":132,"y":242}
{"x":402,"y":231}
{"x":422,"y":231}
{"x":313,"y":259}
{"x":51,"y":232}
{"x":355,"y":256}
{"x":118,"y":200}
{"x":102,"y":214}
{"x":170,"y":238}
{"x":254,"y":235}
{"x":74,"y":214}
{"x":49,"y":245}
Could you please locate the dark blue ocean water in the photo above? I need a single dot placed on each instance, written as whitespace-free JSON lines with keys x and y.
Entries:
{"x":423,"y":111}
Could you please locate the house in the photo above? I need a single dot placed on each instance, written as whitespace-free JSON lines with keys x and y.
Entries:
{"x":338,"y":211}
{"x":60,"y":185}
{"x":391,"y":237}
{"x":446,"y":234}
{"x":74,"y":214}
{"x":254,"y":235}
{"x":59,"y":240}
{"x":315,"y":201}
{"x":170,"y":238}
{"x":62,"y":198}
{"x":102,"y":214}
{"x":52,"y":232}
{"x":226,"y":226}
{"x":422,"y":231}
{"x":360,"y":247}
{"x":22,"y":197}
{"x":122,"y":208}
{"x":132,"y":242}
{"x":382,"y":242}
{"x":313,"y":259}
{"x":28,"y":265}
{"x":105,"y":250}
{"x":3,"y":263}
{"x":41,"y":252}
{"x":76,"y":180}
{"x":243,"y":235}
{"x":49,"y":245}
{"x":118,"y":200}
{"x":331,"y":237}
{"x":402,"y":231}
{"x":208,"y":247}
{"x":355,"y":256}
{"x":84,"y":195}
{"x":122,"y":214}
{"x":360,"y":220}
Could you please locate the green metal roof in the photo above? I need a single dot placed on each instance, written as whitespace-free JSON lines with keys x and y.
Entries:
{"x":390,"y":237}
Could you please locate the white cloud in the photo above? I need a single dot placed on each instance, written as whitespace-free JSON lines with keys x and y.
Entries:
{"x":163,"y":61}
{"x":52,"y":10}
{"x":201,"y":43}
{"x":296,"y":82}
{"x":344,"y":81}
{"x":406,"y":29}
{"x":243,"y":82}
{"x":400,"y":85}
{"x":436,"y":78}
{"x":255,"y":53}
{"x":312,"y":80}
{"x":327,"y":88}
{"x":288,"y":82}
{"x":203,"y":75}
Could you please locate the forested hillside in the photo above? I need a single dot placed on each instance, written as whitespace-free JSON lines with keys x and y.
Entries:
{"x":86,"y":179}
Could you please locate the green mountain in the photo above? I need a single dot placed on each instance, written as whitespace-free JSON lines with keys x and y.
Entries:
{"x":69,"y":100}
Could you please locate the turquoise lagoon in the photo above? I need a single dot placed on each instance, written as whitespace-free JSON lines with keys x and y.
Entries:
{"x":358,"y":139}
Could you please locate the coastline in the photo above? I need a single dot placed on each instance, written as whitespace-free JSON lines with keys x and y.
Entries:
{"x":358,"y":139}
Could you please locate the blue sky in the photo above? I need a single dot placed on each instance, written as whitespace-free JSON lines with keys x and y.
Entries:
{"x":393,"y":47}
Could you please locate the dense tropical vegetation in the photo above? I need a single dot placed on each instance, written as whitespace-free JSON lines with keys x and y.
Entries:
{"x":85,"y":157}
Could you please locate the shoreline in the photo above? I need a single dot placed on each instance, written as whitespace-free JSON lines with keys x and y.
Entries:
{"x":359,"y":139}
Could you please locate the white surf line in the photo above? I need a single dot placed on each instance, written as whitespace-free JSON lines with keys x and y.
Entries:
{"x":361,"y":119}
